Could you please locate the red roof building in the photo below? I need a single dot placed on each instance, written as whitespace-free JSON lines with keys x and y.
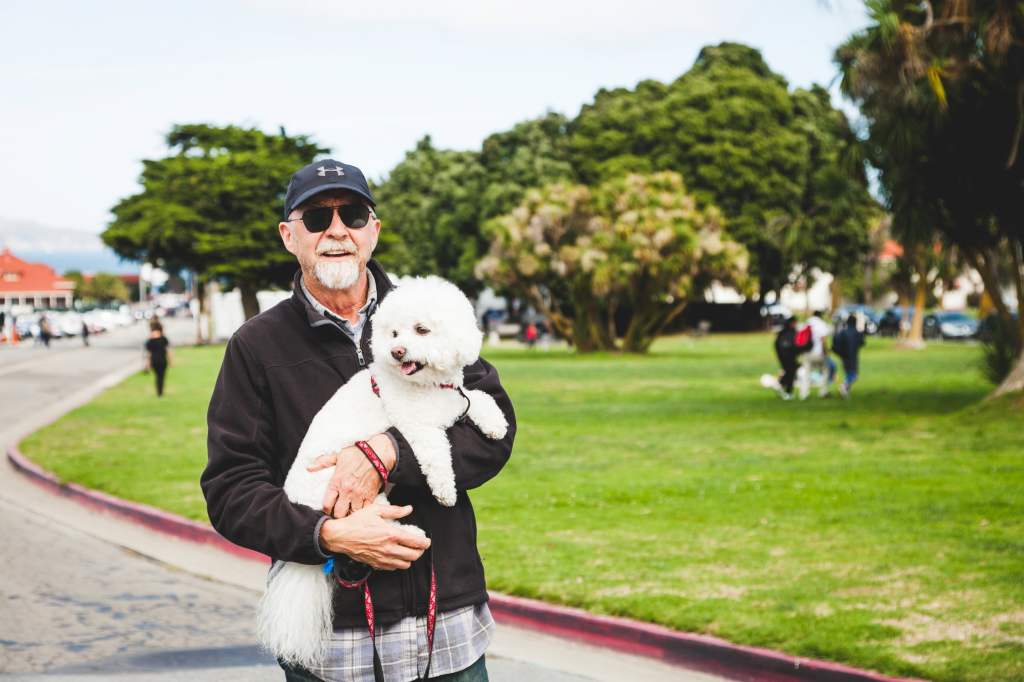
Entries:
{"x":34,"y":284}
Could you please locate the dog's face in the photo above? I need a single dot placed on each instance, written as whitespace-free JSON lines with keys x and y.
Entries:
{"x":425,"y":332}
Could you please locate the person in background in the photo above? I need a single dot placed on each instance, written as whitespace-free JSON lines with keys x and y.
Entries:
{"x":847,"y":344}
{"x":817,"y":362}
{"x":85,"y":333}
{"x":44,"y":331}
{"x":787,"y":351}
{"x":159,"y":354}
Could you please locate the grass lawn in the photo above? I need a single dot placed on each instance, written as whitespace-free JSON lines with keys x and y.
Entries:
{"x":885,"y":532}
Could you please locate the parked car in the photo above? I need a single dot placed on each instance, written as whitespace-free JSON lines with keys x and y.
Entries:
{"x":894,"y":320}
{"x":950,"y":325}
{"x":867,"y":317}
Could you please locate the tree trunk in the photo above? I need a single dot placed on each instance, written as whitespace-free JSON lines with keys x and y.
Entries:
{"x":834,"y":289}
{"x":250,"y":305}
{"x":915,"y":339}
{"x":199,"y":294}
{"x":1013,"y":382}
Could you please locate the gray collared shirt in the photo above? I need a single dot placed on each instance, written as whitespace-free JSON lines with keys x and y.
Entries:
{"x":353,"y":330}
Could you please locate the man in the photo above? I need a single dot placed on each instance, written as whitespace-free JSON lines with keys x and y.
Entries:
{"x":817,"y":362}
{"x":787,"y":351}
{"x":847,"y":345}
{"x":279,"y":368}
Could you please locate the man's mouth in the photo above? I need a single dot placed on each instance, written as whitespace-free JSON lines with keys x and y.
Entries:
{"x":410,"y":367}
{"x":335,"y":254}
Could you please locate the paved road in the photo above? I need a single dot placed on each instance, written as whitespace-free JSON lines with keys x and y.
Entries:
{"x":85,"y":596}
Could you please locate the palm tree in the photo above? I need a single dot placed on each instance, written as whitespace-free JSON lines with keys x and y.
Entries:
{"x":941,"y":84}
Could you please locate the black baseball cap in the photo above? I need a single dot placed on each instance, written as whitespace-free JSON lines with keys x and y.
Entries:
{"x":321,"y":176}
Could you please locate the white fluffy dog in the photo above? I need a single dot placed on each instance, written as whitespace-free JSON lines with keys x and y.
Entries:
{"x":424,"y":334}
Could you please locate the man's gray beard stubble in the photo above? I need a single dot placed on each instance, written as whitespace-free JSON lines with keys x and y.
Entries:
{"x":340,"y":275}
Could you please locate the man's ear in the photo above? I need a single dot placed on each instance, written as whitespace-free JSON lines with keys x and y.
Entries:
{"x":286,"y":236}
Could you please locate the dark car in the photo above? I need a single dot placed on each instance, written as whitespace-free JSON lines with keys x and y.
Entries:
{"x":894,"y":320}
{"x":867,"y":317}
{"x":950,"y":325}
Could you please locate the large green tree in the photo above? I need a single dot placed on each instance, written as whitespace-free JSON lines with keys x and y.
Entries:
{"x":430,"y":208}
{"x":434,"y":202}
{"x":782,"y":166}
{"x":941,"y":85}
{"x":213,"y":205}
{"x":637,"y":247}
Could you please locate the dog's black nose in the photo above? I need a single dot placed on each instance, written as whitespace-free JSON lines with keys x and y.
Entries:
{"x":398,"y":353}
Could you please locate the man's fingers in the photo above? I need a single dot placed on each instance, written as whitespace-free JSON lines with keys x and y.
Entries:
{"x":413,"y":540}
{"x":407,"y":553}
{"x":342,"y":508}
{"x":390,"y":511}
{"x":323,"y":462}
{"x":330,"y":498}
{"x":358,"y":503}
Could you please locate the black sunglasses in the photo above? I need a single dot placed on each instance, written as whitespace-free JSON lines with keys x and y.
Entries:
{"x":318,"y":219}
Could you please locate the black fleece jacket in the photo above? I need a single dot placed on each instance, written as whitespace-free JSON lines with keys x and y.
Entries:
{"x":279,"y":369}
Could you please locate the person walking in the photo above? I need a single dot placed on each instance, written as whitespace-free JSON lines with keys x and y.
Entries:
{"x":44,"y":331}
{"x":85,"y":333}
{"x":787,"y":351}
{"x":847,"y":344}
{"x":818,"y":365}
{"x":157,"y":348}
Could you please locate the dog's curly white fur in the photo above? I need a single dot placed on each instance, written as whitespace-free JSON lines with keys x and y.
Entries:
{"x":429,"y":324}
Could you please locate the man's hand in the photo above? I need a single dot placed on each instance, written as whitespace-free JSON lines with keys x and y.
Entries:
{"x":355,"y":483}
{"x":367,"y":536}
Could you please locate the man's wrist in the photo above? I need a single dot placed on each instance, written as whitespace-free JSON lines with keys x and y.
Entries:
{"x":386,"y":448}
{"x":332,"y":536}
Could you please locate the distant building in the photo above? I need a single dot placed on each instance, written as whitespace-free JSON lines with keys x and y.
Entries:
{"x":34,"y":284}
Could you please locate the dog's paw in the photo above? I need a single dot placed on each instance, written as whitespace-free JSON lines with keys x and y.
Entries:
{"x":446,"y":496}
{"x":495,"y":431}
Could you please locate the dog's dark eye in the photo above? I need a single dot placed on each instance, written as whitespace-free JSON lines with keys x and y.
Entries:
{"x":421,"y":330}
{"x":394,"y":333}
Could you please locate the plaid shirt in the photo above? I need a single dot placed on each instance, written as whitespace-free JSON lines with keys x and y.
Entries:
{"x":460,"y":638}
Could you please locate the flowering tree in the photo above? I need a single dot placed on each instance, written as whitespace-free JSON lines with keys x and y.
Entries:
{"x":636,"y":248}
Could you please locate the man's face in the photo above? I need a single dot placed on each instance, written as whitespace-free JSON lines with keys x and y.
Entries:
{"x":335,"y":258}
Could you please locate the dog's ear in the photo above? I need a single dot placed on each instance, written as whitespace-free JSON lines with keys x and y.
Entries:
{"x":470,"y":339}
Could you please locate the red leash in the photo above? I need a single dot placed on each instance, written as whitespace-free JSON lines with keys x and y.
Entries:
{"x":364,"y":584}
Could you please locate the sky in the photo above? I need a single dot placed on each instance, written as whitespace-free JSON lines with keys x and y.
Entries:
{"x":91,"y":88}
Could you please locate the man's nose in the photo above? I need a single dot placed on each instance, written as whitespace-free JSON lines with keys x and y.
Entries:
{"x":398,"y":352}
{"x":338,"y":228}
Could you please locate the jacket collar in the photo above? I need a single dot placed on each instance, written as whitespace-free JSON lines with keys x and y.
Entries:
{"x":313,"y":317}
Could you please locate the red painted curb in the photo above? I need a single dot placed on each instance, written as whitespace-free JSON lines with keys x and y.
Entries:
{"x":699,"y":652}
{"x":151,"y":517}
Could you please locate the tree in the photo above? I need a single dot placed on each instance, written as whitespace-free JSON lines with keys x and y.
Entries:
{"x":728,"y":126}
{"x":430,"y":205}
{"x":435,"y":201}
{"x":941,"y":85}
{"x":638,"y":244}
{"x":213,"y":206}
{"x":102,"y":288}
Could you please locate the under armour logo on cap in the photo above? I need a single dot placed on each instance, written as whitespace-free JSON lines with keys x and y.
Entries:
{"x":322,"y":172}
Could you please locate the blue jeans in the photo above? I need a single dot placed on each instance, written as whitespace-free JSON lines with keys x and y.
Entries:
{"x":474,"y":673}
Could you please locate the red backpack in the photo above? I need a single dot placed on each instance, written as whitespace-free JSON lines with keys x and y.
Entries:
{"x":803,"y":337}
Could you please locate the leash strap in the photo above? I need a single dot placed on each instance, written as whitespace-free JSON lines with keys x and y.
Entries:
{"x":364,"y":585}
{"x":374,"y":459}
